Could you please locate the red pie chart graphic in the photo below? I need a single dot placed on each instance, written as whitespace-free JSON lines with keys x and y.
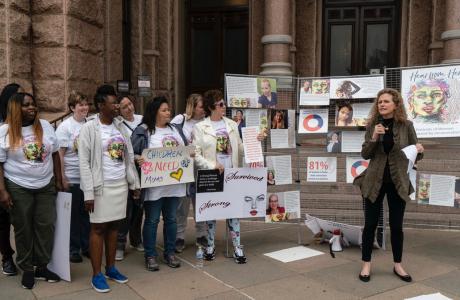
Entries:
{"x":313,"y":126}
{"x":356,"y":165}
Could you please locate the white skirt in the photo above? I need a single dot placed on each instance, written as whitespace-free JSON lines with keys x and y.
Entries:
{"x":111,"y":205}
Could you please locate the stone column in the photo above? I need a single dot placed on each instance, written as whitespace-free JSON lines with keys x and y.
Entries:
{"x":277,"y":38}
{"x":451,"y":35}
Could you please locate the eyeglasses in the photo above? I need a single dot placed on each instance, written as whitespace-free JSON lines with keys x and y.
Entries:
{"x":220,"y":103}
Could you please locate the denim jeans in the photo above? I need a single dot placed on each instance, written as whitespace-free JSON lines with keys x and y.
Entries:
{"x":79,"y":222}
{"x":168,"y":207}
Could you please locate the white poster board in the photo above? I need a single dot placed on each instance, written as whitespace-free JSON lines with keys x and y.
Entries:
{"x":432,"y":100}
{"x":313,"y":120}
{"x":237,"y":193}
{"x":350,"y":232}
{"x":282,"y":206}
{"x":314,"y":92}
{"x":59,"y":263}
{"x":167,"y":166}
{"x":355,"y":166}
{"x":322,"y":169}
{"x":352,"y":141}
{"x":356,"y":87}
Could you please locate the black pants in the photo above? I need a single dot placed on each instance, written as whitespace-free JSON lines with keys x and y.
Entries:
{"x":79,"y":222}
{"x":396,"y":207}
{"x":5,"y":227}
{"x":132,"y":224}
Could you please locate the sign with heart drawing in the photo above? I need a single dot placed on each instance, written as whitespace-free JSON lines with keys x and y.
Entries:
{"x":167,"y":166}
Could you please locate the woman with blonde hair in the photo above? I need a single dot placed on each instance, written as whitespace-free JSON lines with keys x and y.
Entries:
{"x":194,"y":113}
{"x":387,"y":133}
{"x":30,"y":174}
{"x":68,"y":133}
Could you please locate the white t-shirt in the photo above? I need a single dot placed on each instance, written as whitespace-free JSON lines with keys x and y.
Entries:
{"x":165,"y":137}
{"x":29,"y":166}
{"x":132,"y":125}
{"x":67,"y":135}
{"x":113,"y":151}
{"x":223,"y":147}
{"x":188,"y":126}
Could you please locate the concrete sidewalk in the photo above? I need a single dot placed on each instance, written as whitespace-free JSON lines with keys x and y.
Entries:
{"x":431,"y":257}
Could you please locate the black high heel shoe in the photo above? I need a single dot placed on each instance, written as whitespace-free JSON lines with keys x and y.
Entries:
{"x":406,"y":278}
{"x":364,"y":278}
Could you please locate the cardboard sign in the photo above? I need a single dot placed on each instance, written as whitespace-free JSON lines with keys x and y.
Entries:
{"x":167,"y":166}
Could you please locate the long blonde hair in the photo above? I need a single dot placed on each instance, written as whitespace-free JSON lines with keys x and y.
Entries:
{"x":192,"y":102}
{"x":400,"y":114}
{"x":14,"y":121}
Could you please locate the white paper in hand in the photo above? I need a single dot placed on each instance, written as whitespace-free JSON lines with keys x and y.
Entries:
{"x":59,"y":263}
{"x":411,"y":154}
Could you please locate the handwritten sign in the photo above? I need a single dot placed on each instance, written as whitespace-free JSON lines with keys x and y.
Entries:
{"x":167,"y":166}
{"x":243,"y":194}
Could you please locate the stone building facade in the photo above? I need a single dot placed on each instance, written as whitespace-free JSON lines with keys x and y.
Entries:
{"x":53,"y":46}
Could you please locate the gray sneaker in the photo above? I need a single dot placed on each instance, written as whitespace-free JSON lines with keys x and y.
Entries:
{"x":151,"y":264}
{"x":119,"y":255}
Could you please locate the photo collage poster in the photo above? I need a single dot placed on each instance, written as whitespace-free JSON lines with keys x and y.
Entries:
{"x":251,"y":92}
{"x":282,"y":128}
{"x":282,"y":206}
{"x":436,"y":189}
{"x":432,"y":100}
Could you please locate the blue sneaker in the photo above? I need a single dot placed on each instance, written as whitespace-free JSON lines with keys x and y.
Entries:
{"x":100,"y":284}
{"x":112,"y":273}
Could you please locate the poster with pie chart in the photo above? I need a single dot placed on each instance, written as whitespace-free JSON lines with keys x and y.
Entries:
{"x":313,"y":120}
{"x":355,"y":166}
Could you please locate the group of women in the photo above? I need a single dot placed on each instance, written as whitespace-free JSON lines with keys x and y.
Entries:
{"x":98,"y":159}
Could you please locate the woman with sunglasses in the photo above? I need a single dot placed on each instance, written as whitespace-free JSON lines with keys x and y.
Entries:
{"x":218,"y":146}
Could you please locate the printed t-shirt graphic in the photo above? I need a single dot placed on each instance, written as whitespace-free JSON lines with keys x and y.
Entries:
{"x":223,"y":147}
{"x":113,"y":147}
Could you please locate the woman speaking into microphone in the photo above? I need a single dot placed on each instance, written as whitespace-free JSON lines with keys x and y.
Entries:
{"x":388,"y":132}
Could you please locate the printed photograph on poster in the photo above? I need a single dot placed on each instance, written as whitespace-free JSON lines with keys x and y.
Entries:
{"x":283,"y":206}
{"x":355,"y":166}
{"x":431,"y":97}
{"x":167,"y":166}
{"x":313,"y":120}
{"x":282,"y":132}
{"x":322,"y":169}
{"x":436,"y":190}
{"x":355,"y":114}
{"x":352,"y":141}
{"x":314,"y":92}
{"x":457,"y":193}
{"x":334,"y":138}
{"x":356,"y":87}
{"x":249,"y":117}
{"x":242,"y":194}
{"x":279,"y":170}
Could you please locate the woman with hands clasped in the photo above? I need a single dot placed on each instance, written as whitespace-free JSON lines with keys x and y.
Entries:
{"x":388,"y":132}
{"x":218,"y":146}
{"x":107,"y":171}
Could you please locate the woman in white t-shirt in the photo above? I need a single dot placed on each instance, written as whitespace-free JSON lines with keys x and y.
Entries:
{"x":30,"y":174}
{"x":194,"y":113}
{"x":157,"y":132}
{"x":67,"y":134}
{"x":218,"y":146}
{"x":134,"y":213}
{"x":107,"y":172}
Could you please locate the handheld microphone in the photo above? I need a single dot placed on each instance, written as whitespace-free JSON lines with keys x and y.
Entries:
{"x":381,"y":122}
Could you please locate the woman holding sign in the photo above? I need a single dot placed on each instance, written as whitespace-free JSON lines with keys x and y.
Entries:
{"x":388,"y":132}
{"x":156,"y":131}
{"x":107,"y":171}
{"x":218,"y":146}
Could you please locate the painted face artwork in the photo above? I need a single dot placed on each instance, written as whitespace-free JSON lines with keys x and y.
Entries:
{"x":116,"y":147}
{"x":320,"y":87}
{"x":424,"y":189}
{"x":253,"y":201}
{"x":428,"y":101}
{"x":32,"y":151}
{"x":223,"y":142}
{"x":170,"y":141}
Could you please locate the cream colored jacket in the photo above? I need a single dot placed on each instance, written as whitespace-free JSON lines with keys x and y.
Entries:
{"x":204,"y":140}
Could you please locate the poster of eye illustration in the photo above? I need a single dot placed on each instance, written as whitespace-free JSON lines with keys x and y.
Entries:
{"x":283,"y":206}
{"x":356,"y":87}
{"x":237,"y":193}
{"x":355,"y":166}
{"x":167,"y":166}
{"x":251,"y":92}
{"x":313,"y":120}
{"x":314,"y":92}
{"x":432,"y":100}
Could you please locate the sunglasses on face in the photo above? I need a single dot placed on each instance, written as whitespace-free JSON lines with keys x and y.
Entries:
{"x":220,"y":104}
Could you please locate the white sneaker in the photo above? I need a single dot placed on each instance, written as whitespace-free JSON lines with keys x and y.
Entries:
{"x":238,"y":255}
{"x":210,"y":253}
{"x":119,"y":255}
{"x":139,"y":247}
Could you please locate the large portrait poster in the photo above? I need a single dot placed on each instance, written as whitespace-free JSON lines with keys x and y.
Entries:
{"x":167,"y":166}
{"x":251,"y":92}
{"x":356,"y":87}
{"x":432,"y":100}
{"x":237,"y":193}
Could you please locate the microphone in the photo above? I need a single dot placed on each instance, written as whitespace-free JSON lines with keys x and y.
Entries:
{"x":381,"y":122}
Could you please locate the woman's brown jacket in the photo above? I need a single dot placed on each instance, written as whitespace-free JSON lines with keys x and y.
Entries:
{"x":370,"y":181}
